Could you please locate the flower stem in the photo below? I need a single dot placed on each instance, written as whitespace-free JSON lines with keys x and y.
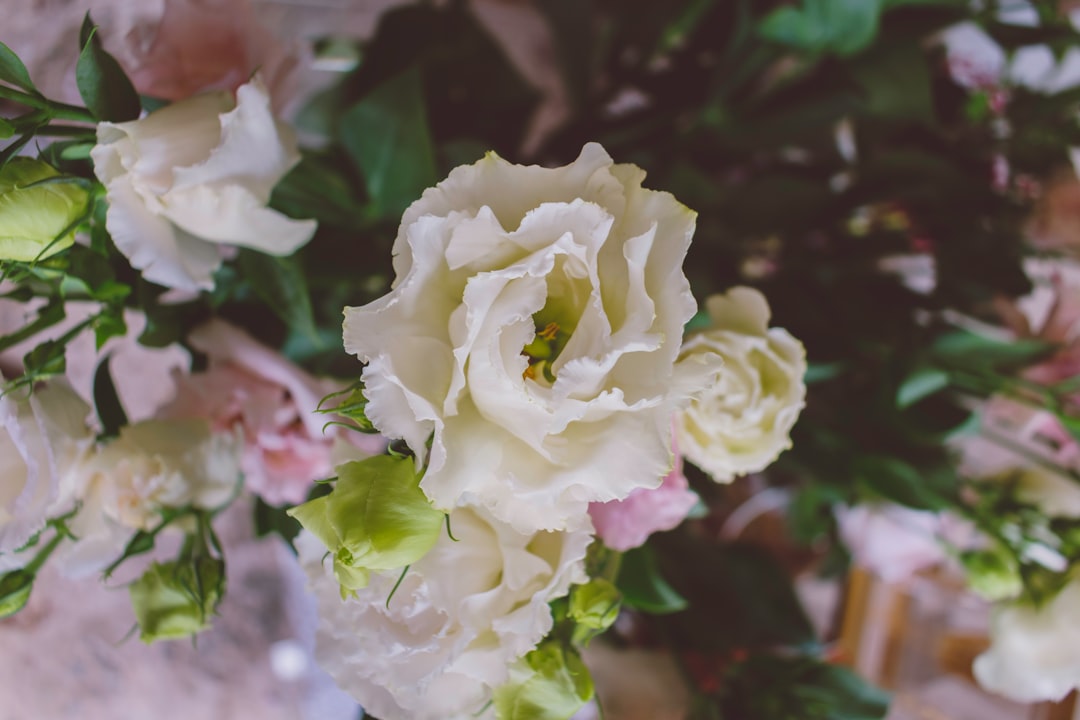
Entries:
{"x":61,"y":111}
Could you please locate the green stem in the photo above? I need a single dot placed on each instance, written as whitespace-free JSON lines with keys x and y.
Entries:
{"x":44,"y":554}
{"x":61,"y":111}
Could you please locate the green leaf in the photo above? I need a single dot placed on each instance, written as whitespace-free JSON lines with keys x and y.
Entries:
{"x":896,"y":82}
{"x":49,"y":315}
{"x":281,"y":283}
{"x":642,"y":586}
{"x":46,"y":359}
{"x":13,"y":71}
{"x":39,"y":209}
{"x":386,"y":135}
{"x":271,"y":520}
{"x":6,"y":129}
{"x":963,"y":348}
{"x":106,"y":401}
{"x":922,"y":383}
{"x":103,"y":85}
{"x":843,"y":27}
{"x":899,"y":481}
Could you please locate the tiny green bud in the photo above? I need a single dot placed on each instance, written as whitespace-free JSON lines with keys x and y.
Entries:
{"x":552,"y":683}
{"x":992,"y":574}
{"x":15,"y":589}
{"x":595,"y":604}
{"x":176,"y":599}
{"x":33,"y":216}
{"x":376,"y":518}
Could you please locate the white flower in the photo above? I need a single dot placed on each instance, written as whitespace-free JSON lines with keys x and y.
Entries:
{"x":461,"y":616}
{"x":742,"y":423}
{"x":42,"y":438}
{"x":151,"y":466}
{"x":195,"y":176}
{"x":532,"y":333}
{"x":1035,"y":653}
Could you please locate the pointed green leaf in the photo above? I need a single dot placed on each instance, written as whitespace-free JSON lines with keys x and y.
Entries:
{"x":642,"y":586}
{"x":922,"y":383}
{"x":13,"y":71}
{"x":386,"y":134}
{"x":106,"y":401}
{"x":103,"y":85}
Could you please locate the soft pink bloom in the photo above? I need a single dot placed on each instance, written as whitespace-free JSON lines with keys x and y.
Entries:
{"x":204,"y":45}
{"x":273,"y":401}
{"x":628,"y":523}
{"x":895,"y":542}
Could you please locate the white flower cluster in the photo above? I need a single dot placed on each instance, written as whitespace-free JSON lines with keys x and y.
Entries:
{"x":51,"y":465}
{"x":530,"y":356}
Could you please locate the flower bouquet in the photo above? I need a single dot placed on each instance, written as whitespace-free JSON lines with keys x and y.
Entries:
{"x":529,"y":456}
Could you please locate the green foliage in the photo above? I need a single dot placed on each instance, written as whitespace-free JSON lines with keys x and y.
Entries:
{"x":843,"y":27}
{"x":176,"y":599}
{"x":15,"y":587}
{"x":386,"y":135}
{"x":107,"y":403}
{"x":768,"y":687}
{"x":104,"y":87}
{"x":13,"y":71}
{"x":642,"y":586}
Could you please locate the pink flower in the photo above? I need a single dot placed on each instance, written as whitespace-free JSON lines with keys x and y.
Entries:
{"x":203,"y":45}
{"x":896,"y":542}
{"x":273,"y":402}
{"x":628,"y":523}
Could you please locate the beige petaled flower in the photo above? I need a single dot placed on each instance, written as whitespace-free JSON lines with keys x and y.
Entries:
{"x":461,"y":616}
{"x":42,"y":439}
{"x":531,"y":333}
{"x":193,"y":178}
{"x":743,"y":422}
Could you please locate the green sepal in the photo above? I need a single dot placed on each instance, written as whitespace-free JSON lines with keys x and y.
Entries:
{"x":176,"y":599}
{"x":15,"y":589}
{"x":376,"y":518}
{"x":551,"y":683}
{"x":595,"y":605}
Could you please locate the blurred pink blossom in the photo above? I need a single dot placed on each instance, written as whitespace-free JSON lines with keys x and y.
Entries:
{"x":628,"y":523}
{"x":895,"y":542}
{"x":204,"y":45}
{"x":273,"y":401}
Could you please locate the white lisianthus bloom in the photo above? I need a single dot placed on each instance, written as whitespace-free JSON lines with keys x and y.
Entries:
{"x":151,"y":466}
{"x":195,"y":176}
{"x":462,"y":615}
{"x":1035,"y":652}
{"x":532,"y":333}
{"x":743,"y":422}
{"x":42,"y":438}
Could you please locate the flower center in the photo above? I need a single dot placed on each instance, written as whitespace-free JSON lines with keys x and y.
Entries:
{"x":546,"y":345}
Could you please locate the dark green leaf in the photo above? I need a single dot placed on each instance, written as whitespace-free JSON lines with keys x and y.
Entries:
{"x":6,"y":129}
{"x":281,"y":284}
{"x":106,"y":90}
{"x":967,"y":349}
{"x":270,"y":519}
{"x":46,"y":359}
{"x":843,"y":27}
{"x":13,"y":71}
{"x":642,"y":586}
{"x":920,"y":384}
{"x":107,"y":403}
{"x":49,"y":315}
{"x":15,"y":589}
{"x":901,"y":482}
{"x":386,"y":135}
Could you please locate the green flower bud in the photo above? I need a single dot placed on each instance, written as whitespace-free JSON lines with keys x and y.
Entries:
{"x":376,"y":518}
{"x":595,"y":604}
{"x":31,"y":218}
{"x":176,"y":599}
{"x":552,"y":683}
{"x":15,"y":589}
{"x":992,"y":574}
